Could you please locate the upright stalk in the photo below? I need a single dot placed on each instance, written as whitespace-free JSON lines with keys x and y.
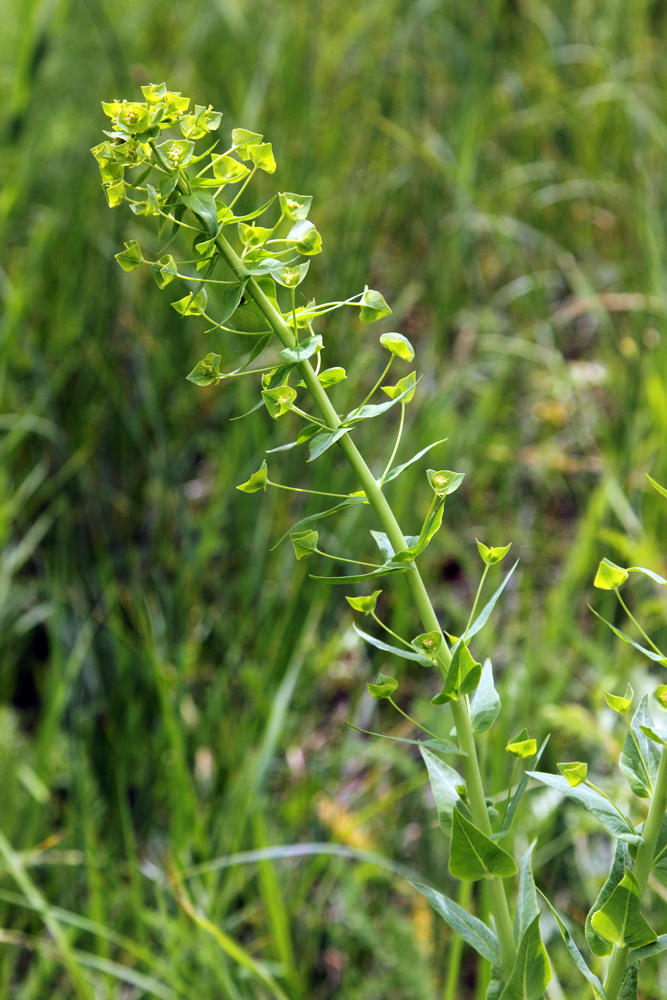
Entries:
{"x":385,"y":515}
{"x":642,"y":869}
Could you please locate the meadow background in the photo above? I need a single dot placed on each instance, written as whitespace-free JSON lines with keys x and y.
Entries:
{"x":171,"y":693}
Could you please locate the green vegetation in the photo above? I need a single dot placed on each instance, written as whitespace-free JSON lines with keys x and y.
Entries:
{"x":175,"y":694}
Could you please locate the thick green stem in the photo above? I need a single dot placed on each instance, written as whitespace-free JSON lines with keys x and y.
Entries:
{"x":385,"y":515}
{"x":642,"y":870}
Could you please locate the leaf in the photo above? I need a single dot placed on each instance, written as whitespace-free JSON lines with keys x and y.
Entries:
{"x":469,"y":928}
{"x":404,"y":388}
{"x":394,"y":473}
{"x":131,"y":257}
{"x":609,"y":576}
{"x":295,"y":206}
{"x":164,"y":270}
{"x":491,"y":556}
{"x":656,"y":657}
{"x":303,"y":351}
{"x":649,"y":950}
{"x":660,"y":695}
{"x":202,"y":203}
{"x":279,"y":401}
{"x":370,"y":410}
{"x":290,"y":276}
{"x":242,"y":139}
{"x":614,"y":822}
{"x":521,"y":746}
{"x":383,"y":688}
{"x":360,"y":577}
{"x":373,"y":306}
{"x":312,"y":518}
{"x":532,"y":972}
{"x":175,"y":152}
{"x":252,"y":236}
{"x":428,"y":644}
{"x":304,"y":238}
{"x":398,"y":345}
{"x":575,"y":772}
{"x":474,"y":856}
{"x":262,"y":156}
{"x":486,"y":611}
{"x":462,"y":677}
{"x":323,"y":441}
{"x":661,"y":489}
{"x":228,"y":170}
{"x":206,"y":371}
{"x":191,"y":305}
{"x":444,"y":482}
{"x":443,"y":746}
{"x":620,"y":704}
{"x":304,"y":542}
{"x":629,"y":987}
{"x":575,"y":954}
{"x":526,"y":903}
{"x":330,"y":376}
{"x":485,"y":704}
{"x":257,"y":481}
{"x":406,"y":654}
{"x":445,"y":783}
{"x":620,"y":920}
{"x":516,"y":798}
{"x":366,"y":605}
{"x":648,"y":572}
{"x":640,"y":757}
{"x":598,"y":945}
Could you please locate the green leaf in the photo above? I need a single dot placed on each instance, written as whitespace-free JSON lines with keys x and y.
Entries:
{"x":361,"y":577}
{"x":619,"y":921}
{"x":383,"y":688}
{"x":485,"y":704}
{"x":640,"y":757}
{"x":661,"y":489}
{"x":469,"y":928}
{"x":532,"y":972}
{"x":305,"y":350}
{"x":575,"y":772}
{"x":252,"y":236}
{"x":312,"y":518}
{"x":394,"y":473}
{"x":462,"y":678}
{"x":290,"y":276}
{"x":231,"y":297}
{"x":474,"y":856}
{"x":656,"y":657}
{"x":660,"y":695}
{"x":164,"y":271}
{"x":620,"y":704}
{"x":576,"y":955}
{"x":365,"y":605}
{"x":175,"y":152}
{"x":304,"y":542}
{"x":515,"y":801}
{"x":444,"y":482}
{"x":649,"y":950}
{"x":116,"y":194}
{"x":279,"y":401}
{"x":609,"y":576}
{"x":323,"y":441}
{"x":304,"y":238}
{"x":206,"y":371}
{"x":191,"y":305}
{"x":598,"y":945}
{"x":442,"y":746}
{"x":659,"y":738}
{"x":486,"y":611}
{"x":428,"y":644}
{"x":262,"y":156}
{"x":131,"y":257}
{"x":526,"y":903}
{"x":242,"y":139}
{"x":257,"y":481}
{"x":295,"y":206}
{"x":373,"y":306}
{"x":615,"y":822}
{"x":404,"y":388}
{"x":202,"y":203}
{"x":370,"y":410}
{"x":491,"y":556}
{"x":398,"y":345}
{"x":649,"y":573}
{"x":404,"y":653}
{"x":659,"y":865}
{"x":629,"y":987}
{"x":228,"y":170}
{"x":445,"y":783}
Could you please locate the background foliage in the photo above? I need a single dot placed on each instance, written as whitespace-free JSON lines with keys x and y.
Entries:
{"x":170,"y":692}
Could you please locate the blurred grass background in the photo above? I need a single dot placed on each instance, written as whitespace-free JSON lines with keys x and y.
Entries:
{"x":170,"y":692}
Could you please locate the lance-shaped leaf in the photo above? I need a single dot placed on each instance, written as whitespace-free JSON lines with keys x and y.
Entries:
{"x":574,"y":772}
{"x":370,"y":410}
{"x":630,"y":984}
{"x":206,"y":371}
{"x":487,"y":610}
{"x":619,"y":704}
{"x":521,"y":746}
{"x":442,"y":746}
{"x":131,"y":257}
{"x":279,"y":401}
{"x":656,"y":657}
{"x":303,"y":351}
{"x":445,"y":784}
{"x":295,"y":206}
{"x":304,"y":542}
{"x":191,"y":305}
{"x":614,"y":821}
{"x":394,"y":473}
{"x":257,"y":481}
{"x":312,"y":518}
{"x":398,"y":345}
{"x":515,"y":801}
{"x":322,"y":441}
{"x":469,"y":928}
{"x":620,"y":921}
{"x":428,"y":644}
{"x":383,"y":688}
{"x":640,"y":757}
{"x":485,"y":704}
{"x":404,"y":388}
{"x":361,"y":577}
{"x":444,"y":482}
{"x":373,"y":306}
{"x":242,"y":139}
{"x":598,"y":945}
{"x":609,"y":576}
{"x":649,"y":573}
{"x":526,"y":902}
{"x":532,"y":972}
{"x":262,"y":156}
{"x":202,"y":203}
{"x":462,"y":678}
{"x":649,"y":950}
{"x":365,"y":605}
{"x":404,"y":653}
{"x":576,"y":955}
{"x":493,"y":555}
{"x":474,"y":856}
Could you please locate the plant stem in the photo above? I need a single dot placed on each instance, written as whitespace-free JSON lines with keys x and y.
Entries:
{"x":642,"y":869}
{"x":633,"y":619}
{"x":477,"y":596}
{"x":398,"y":441}
{"x":296,"y":489}
{"x":387,"y":629}
{"x":413,"y":721}
{"x":384,"y":513}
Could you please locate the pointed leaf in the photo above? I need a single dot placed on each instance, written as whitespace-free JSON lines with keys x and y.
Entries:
{"x":515,"y":801}
{"x":445,"y":783}
{"x":383,"y":688}
{"x":575,"y":772}
{"x":394,"y":473}
{"x":323,"y":441}
{"x":191,"y":305}
{"x":295,"y":206}
{"x":131,"y":257}
{"x":532,"y":972}
{"x":609,"y":576}
{"x":494,"y":555}
{"x":257,"y":481}
{"x":304,"y":542}
{"x":474,"y":856}
{"x":526,"y":903}
{"x":398,"y":345}
{"x":360,"y":577}
{"x":228,"y":170}
{"x":444,"y":482}
{"x":365,"y":605}
{"x":576,"y":955}
{"x":262,"y":156}
{"x":242,"y":139}
{"x":206,"y":371}
{"x":620,"y":704}
{"x":373,"y":306}
{"x":649,"y":950}
{"x":469,"y":928}
{"x":629,"y":987}
{"x":312,"y":518}
{"x":442,"y":746}
{"x":648,"y":572}
{"x":620,"y":920}
{"x":428,"y":644}
{"x":404,"y":388}
{"x":485,"y":704}
{"x":613,"y":821}
{"x":598,"y":945}
{"x":462,"y":678}
{"x":656,"y":657}
{"x":640,"y":757}
{"x":202,"y":203}
{"x":406,"y":654}
{"x":303,"y":351}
